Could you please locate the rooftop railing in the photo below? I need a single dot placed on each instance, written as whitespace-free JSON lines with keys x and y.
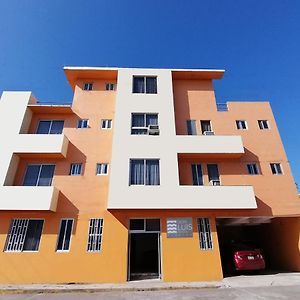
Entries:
{"x":222,"y":107}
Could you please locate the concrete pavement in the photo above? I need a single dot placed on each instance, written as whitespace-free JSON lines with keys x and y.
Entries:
{"x":238,"y":282}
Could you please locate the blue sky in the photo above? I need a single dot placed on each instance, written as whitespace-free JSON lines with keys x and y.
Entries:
{"x":257,"y":42}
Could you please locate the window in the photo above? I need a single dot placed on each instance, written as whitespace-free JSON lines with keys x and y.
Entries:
{"x":213,"y":174}
{"x":38,"y":175}
{"x":75,"y":169}
{"x":83,"y":123}
{"x":205,"y":127}
{"x":144,"y":85}
{"x":24,"y":235}
{"x":110,"y":86}
{"x":191,"y":127}
{"x":252,"y":169}
{"x":95,"y":235}
{"x":106,"y":124}
{"x":88,"y":86}
{"x":241,"y":124}
{"x":102,"y":169}
{"x":204,"y":231}
{"x":64,"y":236}
{"x":197,"y":174}
{"x":50,"y":127}
{"x":276,"y":169}
{"x":263,"y":124}
{"x":145,"y":225}
{"x":144,"y":172}
{"x":141,"y":121}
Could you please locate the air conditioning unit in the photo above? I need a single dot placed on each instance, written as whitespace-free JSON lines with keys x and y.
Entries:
{"x":215,"y":182}
{"x":208,"y":133}
{"x":153,"y":130}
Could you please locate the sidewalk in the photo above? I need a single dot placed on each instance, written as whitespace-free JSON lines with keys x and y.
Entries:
{"x":281,"y":279}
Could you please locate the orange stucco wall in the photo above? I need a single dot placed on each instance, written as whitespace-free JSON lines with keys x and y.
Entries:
{"x":84,"y":197}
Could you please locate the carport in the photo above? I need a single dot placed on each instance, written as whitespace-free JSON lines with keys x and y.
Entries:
{"x":278,"y":238}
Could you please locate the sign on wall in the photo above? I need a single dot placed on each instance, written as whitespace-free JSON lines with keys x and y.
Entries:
{"x":179,"y":227}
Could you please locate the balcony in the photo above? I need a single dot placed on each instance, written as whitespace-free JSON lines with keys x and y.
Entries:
{"x":212,"y":145}
{"x":48,"y":145}
{"x":185,"y":197}
{"x":28,"y":198}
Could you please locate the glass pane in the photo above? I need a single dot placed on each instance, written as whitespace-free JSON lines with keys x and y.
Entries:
{"x":46,"y":175}
{"x":57,"y":127}
{"x":31,"y":175}
{"x":138,"y":84}
{"x":191,"y":127}
{"x":61,"y":235}
{"x":137,"y":172}
{"x":43,"y":127}
{"x":151,"y":119}
{"x":152,"y":172}
{"x":197,"y":174}
{"x":139,"y":131}
{"x":205,"y":126}
{"x":136,"y":224}
{"x":152,"y":224}
{"x":33,"y":235}
{"x":138,"y":120}
{"x":213,"y":172}
{"x":151,"y":86}
{"x":68,"y":235}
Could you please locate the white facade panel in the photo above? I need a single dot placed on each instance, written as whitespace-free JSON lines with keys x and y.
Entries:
{"x":28,"y":198}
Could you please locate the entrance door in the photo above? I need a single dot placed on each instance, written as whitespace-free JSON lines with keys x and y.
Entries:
{"x":144,"y":249}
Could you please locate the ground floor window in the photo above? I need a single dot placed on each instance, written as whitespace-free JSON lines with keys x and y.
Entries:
{"x":204,"y":232}
{"x":24,"y":235}
{"x":95,"y":235}
{"x":64,"y":237}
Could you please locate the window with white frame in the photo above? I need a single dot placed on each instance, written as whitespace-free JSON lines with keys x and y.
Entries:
{"x":24,"y":235}
{"x":144,"y":172}
{"x":64,"y":236}
{"x":38,"y":175}
{"x":241,"y":124}
{"x":276,"y":168}
{"x":83,"y":123}
{"x":102,"y":169}
{"x":75,"y":169}
{"x":95,"y":235}
{"x":141,"y":121}
{"x":263,"y":124}
{"x":204,"y":232}
{"x":253,"y":169}
{"x":197,"y":174}
{"x":109,"y":86}
{"x":106,"y":124}
{"x":145,"y":84}
{"x":50,"y":127}
{"x":88,"y":86}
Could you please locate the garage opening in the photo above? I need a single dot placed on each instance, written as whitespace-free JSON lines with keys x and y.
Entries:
{"x":245,"y":242}
{"x":144,"y":249}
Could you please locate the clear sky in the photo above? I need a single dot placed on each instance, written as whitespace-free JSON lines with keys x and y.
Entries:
{"x":257,"y":42}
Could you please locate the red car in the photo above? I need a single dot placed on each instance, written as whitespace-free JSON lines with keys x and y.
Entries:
{"x":244,"y":257}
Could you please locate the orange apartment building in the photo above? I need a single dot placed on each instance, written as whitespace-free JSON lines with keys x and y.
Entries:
{"x":142,"y":176}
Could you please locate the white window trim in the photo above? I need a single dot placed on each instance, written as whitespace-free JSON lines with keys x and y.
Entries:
{"x":106,"y":122}
{"x":70,"y":174}
{"x":102,"y":174}
{"x":246,"y":125}
{"x":277,"y":174}
{"x":102,"y":233}
{"x":87,"y":83}
{"x":43,"y":120}
{"x":113,"y":85}
{"x":80,"y":120}
{"x":26,"y":251}
{"x":210,"y":123}
{"x":210,"y":233}
{"x":257,"y":166}
{"x":145,"y":85}
{"x":145,"y":121}
{"x":210,"y":181}
{"x":268,"y":124}
{"x":64,"y":251}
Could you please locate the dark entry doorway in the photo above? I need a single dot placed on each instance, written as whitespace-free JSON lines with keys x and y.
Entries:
{"x":144,"y":249}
